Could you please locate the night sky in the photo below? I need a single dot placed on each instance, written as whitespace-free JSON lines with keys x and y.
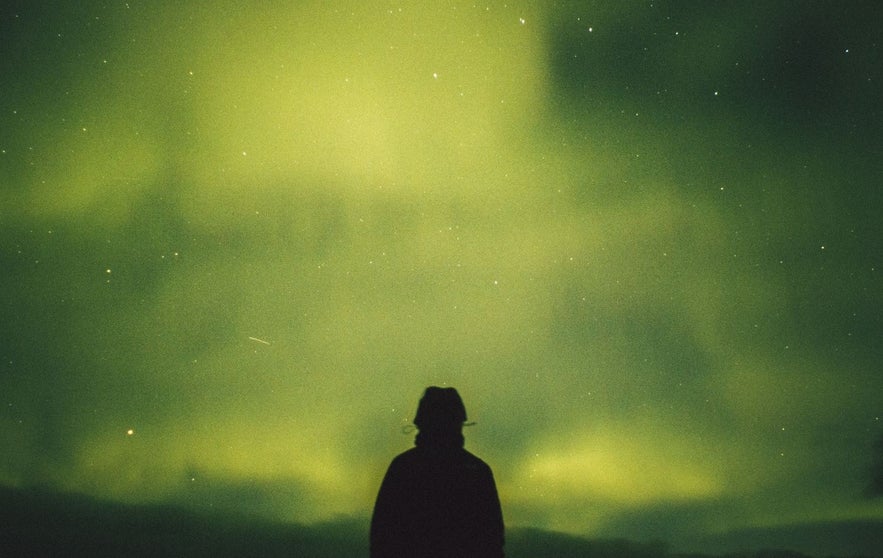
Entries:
{"x":643,"y":240}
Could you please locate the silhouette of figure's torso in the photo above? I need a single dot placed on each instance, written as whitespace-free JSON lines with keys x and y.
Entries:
{"x":437,"y":500}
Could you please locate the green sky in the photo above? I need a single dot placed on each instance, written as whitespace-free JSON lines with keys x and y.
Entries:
{"x":641,"y":238}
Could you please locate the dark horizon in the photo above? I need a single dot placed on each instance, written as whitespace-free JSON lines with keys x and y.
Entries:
{"x":43,"y":523}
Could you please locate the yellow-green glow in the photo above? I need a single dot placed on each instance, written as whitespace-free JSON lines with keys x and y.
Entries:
{"x":239,"y":241}
{"x":622,"y":471}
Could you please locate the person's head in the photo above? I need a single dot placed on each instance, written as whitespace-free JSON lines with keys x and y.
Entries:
{"x":440,"y":410}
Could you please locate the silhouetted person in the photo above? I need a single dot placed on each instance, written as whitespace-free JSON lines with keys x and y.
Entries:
{"x":437,"y":499}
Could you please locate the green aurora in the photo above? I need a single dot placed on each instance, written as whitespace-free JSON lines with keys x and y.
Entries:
{"x":642,"y":239}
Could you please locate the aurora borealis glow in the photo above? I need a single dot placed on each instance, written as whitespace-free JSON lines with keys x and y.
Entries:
{"x":642,"y":239}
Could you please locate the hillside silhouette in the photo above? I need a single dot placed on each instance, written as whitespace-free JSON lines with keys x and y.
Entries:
{"x":35,"y":523}
{"x":38,"y":523}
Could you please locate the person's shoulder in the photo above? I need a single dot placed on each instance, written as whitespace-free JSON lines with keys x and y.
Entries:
{"x":406,"y":456}
{"x":404,"y":465}
{"x":474,"y":462}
